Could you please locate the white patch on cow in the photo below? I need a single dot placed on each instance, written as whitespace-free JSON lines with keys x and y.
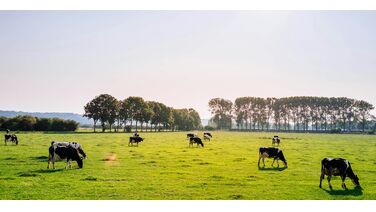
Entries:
{"x":264,"y":155}
{"x":347,"y":164}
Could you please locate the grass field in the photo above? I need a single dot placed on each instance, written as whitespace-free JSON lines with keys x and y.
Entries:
{"x":164,"y":167}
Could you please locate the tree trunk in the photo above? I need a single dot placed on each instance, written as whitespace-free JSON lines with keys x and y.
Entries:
{"x":103,"y":127}
{"x":95,"y":123}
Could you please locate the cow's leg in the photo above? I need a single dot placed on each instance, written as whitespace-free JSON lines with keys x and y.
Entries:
{"x":277,"y":163}
{"x":258,"y":164}
{"x":273,"y":162}
{"x":330,"y":185}
{"x":263,"y":161}
{"x":68,"y":164}
{"x":321,"y":178}
{"x":343,"y":177}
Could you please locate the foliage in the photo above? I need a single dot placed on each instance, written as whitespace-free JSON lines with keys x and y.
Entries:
{"x":221,"y":109}
{"x":30,"y":123}
{"x":300,"y":113}
{"x":136,"y":110}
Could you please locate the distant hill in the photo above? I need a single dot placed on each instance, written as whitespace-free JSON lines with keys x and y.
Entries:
{"x":73,"y":116}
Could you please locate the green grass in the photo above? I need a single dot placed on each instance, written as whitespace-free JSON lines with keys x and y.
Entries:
{"x":164,"y":167}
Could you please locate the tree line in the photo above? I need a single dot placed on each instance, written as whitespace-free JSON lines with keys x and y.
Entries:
{"x":299,"y":113}
{"x":135,"y":112}
{"x":31,"y":123}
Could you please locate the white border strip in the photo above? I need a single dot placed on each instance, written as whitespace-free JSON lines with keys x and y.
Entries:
{"x":187,"y":5}
{"x":187,"y":206}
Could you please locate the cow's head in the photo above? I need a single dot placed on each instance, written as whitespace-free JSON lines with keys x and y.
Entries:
{"x":282,"y":158}
{"x":355,"y":180}
{"x":81,"y":151}
{"x":80,"y":163}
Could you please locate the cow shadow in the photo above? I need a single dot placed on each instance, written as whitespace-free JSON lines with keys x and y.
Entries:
{"x":40,"y":158}
{"x":47,"y":171}
{"x":272,"y":168}
{"x":357,"y":191}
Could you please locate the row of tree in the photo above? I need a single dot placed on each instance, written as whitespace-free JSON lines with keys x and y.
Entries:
{"x":30,"y":123}
{"x":136,"y":112}
{"x":301,"y":113}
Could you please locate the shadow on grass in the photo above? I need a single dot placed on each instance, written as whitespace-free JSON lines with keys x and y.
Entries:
{"x":357,"y":191}
{"x":272,"y":168}
{"x":40,"y":158}
{"x":43,"y":171}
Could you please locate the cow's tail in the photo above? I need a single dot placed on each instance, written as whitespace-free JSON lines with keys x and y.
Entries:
{"x":322,"y":166}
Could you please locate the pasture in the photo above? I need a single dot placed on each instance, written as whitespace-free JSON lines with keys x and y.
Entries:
{"x":164,"y":167}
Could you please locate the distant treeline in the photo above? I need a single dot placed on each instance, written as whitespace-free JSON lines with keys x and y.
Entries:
{"x":30,"y":123}
{"x":134,"y":112}
{"x":293,"y":113}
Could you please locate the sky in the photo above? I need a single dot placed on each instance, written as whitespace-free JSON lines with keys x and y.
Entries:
{"x":57,"y":61}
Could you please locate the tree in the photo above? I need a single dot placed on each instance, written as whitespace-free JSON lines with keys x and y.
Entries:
{"x":146,"y":114}
{"x":135,"y":105}
{"x":92,"y":110}
{"x":364,"y":109}
{"x":221,"y":109}
{"x":102,"y":108}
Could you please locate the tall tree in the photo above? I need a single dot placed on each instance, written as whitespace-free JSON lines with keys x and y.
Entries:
{"x":364,"y":109}
{"x":221,"y":109}
{"x":92,"y":110}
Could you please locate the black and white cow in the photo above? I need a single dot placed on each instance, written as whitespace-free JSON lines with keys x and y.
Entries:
{"x":75,"y":145}
{"x":57,"y":153}
{"x":195,"y":140}
{"x":13,"y":138}
{"x":191,"y":135}
{"x":134,"y":139}
{"x":337,"y":167}
{"x":207,"y":136}
{"x":271,"y":152}
{"x":276,"y":140}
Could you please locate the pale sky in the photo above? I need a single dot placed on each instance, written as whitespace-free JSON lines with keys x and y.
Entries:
{"x":57,"y":61}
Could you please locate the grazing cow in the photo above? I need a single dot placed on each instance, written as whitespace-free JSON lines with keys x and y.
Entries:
{"x":276,"y":140}
{"x":134,"y":139}
{"x":196,"y":140}
{"x":271,"y":152}
{"x":337,"y":167}
{"x":70,"y":153}
{"x":207,"y":136}
{"x":191,"y":135}
{"x":73,"y":144}
{"x":13,"y":138}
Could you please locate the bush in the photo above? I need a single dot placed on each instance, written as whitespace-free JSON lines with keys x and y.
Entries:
{"x":128,"y":129}
{"x":29,"y":123}
{"x":43,"y":124}
{"x":372,"y":132}
{"x":336,"y":131}
{"x":209,"y":128}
